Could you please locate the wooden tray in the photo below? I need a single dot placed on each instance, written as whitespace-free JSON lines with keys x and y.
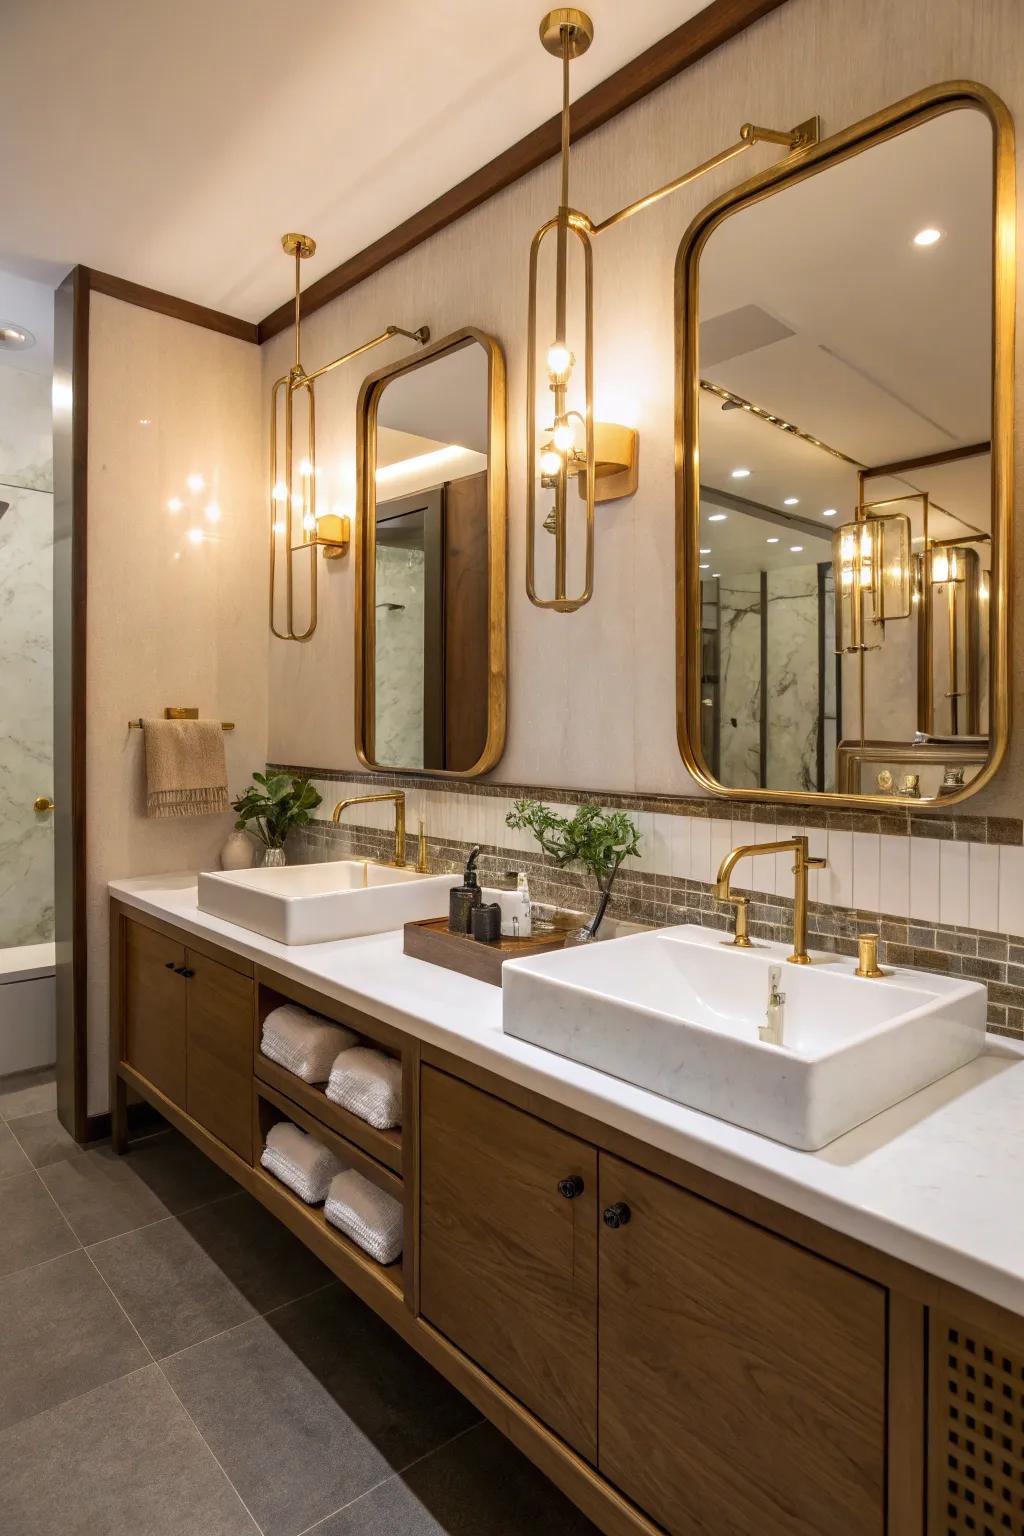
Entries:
{"x":430,"y":940}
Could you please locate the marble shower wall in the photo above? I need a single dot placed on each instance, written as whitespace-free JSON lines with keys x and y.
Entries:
{"x":791,"y":681}
{"x":26,"y":657}
{"x":740,"y":672}
{"x":401,"y":594}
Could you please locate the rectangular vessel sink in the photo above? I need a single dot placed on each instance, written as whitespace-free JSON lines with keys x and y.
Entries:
{"x":313,"y":903}
{"x":677,"y":1012}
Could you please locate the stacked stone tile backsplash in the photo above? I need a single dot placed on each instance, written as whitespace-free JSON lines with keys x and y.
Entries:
{"x":946,"y":893}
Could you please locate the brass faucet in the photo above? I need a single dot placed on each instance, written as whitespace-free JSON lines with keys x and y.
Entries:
{"x":398,"y":796}
{"x":803,"y":862}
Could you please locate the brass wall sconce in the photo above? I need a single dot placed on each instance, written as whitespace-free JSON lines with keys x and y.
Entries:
{"x":600,"y":457}
{"x":293,"y":511}
{"x":957,"y":582}
{"x":871,"y":568}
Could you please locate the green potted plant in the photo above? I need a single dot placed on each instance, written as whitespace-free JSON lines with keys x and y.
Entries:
{"x":272,"y":805}
{"x":599,"y":840}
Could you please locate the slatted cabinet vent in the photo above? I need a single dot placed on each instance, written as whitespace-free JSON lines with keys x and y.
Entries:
{"x":976,"y":1438}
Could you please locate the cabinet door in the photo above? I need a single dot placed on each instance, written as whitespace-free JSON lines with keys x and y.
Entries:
{"x":742,"y":1378}
{"x":154,"y":1009}
{"x":507,"y":1262}
{"x":220,"y":1047}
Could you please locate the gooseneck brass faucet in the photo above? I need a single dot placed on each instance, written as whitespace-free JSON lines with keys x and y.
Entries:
{"x":398,"y":796}
{"x":801,"y":864}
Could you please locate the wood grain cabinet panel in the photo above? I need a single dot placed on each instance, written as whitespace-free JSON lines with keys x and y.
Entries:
{"x":507,"y":1262}
{"x":220,"y":1052}
{"x":154,"y":1009}
{"x":743,"y":1379}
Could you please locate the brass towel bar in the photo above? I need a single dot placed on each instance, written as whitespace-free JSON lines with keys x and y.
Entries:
{"x":136,"y":725}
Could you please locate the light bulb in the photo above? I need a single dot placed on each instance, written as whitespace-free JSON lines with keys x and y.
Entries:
{"x":309,"y":523}
{"x":305,"y":468}
{"x":563,"y":437}
{"x":196,"y":535}
{"x":297,"y":502}
{"x":175,"y":504}
{"x":559,"y":360}
{"x":550,"y":462}
{"x":195,"y":482}
{"x":213,"y":513}
{"x":280,"y":491}
{"x":279,"y":526}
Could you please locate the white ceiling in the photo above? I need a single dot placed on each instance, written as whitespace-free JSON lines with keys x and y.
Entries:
{"x":174,"y":144}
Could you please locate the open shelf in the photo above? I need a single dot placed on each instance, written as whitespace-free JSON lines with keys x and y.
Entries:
{"x":309,"y":1223}
{"x":385,"y":1146}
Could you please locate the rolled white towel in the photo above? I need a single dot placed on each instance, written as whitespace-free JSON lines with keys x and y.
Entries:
{"x":368,"y":1084}
{"x":300,"y":1162}
{"x":303,"y":1042}
{"x":368,"y":1215}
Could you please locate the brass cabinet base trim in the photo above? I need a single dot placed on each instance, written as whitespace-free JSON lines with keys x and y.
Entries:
{"x":884,"y":125}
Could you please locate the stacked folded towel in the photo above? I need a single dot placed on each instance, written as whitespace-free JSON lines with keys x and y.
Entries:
{"x":303,"y":1042}
{"x":368,"y":1084}
{"x":366,"y":1214}
{"x":300,"y":1162}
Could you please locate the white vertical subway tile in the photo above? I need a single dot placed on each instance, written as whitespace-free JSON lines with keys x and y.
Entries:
{"x":866,"y":871}
{"x":924,"y":879}
{"x":742,"y":878}
{"x":662,"y":828}
{"x":721,"y":843}
{"x":781,"y":864}
{"x":681,"y":862}
{"x":1011,"y":891}
{"x":983,"y":886}
{"x":700,"y":848}
{"x":894,"y":875}
{"x":644,"y":862}
{"x":836,"y":882}
{"x":954,"y":882}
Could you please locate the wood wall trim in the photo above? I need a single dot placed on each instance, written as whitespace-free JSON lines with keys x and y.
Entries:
{"x":169,"y":304}
{"x":719,"y":22}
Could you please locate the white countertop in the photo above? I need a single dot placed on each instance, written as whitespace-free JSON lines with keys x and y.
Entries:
{"x":937,"y":1181}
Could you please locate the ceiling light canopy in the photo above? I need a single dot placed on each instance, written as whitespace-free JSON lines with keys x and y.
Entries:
{"x":14,"y":337}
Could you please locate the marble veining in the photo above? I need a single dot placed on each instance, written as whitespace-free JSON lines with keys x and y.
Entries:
{"x":740,"y":689}
{"x":398,"y":678}
{"x":791,"y":685}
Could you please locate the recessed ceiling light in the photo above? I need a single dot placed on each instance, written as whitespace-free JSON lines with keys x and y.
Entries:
{"x":718,"y":517}
{"x":16,"y":338}
{"x":145,"y":421}
{"x":704,"y":567}
{"x":929,"y":236}
{"x":740,"y":474}
{"x":717,"y":576}
{"x":175,"y":504}
{"x":830,"y":512}
{"x":195,"y":482}
{"x":796,"y":549}
{"x":791,"y":501}
{"x":705,"y":551}
{"x":771,"y":541}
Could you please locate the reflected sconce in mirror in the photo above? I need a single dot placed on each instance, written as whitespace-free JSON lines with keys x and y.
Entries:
{"x":959,"y":592}
{"x":871,"y":566}
{"x":296,"y":528}
{"x":601,"y":457}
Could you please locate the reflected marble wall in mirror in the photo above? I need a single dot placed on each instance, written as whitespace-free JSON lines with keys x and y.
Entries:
{"x":844,"y":532}
{"x":430,"y":639}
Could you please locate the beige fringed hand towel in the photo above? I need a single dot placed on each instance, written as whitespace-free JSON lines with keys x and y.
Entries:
{"x":186,"y":771}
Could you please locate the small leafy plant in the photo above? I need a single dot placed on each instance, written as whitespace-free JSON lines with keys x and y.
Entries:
{"x":599,"y":840}
{"x":273,"y":804}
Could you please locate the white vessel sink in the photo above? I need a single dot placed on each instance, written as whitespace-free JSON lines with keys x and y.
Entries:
{"x":313,"y":903}
{"x":677,"y":1012}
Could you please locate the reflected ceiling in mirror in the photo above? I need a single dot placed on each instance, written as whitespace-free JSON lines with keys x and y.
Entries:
{"x":430,"y":629}
{"x":844,"y":502}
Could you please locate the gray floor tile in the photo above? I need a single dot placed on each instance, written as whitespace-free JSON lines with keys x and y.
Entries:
{"x":176,"y":1171}
{"x":309,"y":1409}
{"x":172,"y":1291}
{"x":256,"y":1251}
{"x":27,"y":1093}
{"x":479,"y":1485}
{"x":12,"y":1158}
{"x":124,"y":1458}
{"x":32,"y":1229}
{"x":44,"y":1139}
{"x":61,"y":1334}
{"x":102,"y":1195}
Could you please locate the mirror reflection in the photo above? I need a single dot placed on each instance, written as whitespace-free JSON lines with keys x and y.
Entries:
{"x":427,"y":667}
{"x":845,"y":511}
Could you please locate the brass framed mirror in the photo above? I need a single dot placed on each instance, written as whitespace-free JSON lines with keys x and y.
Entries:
{"x":844,"y":356}
{"x":430,"y":643}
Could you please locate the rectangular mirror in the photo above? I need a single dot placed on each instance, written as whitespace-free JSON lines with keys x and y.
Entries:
{"x":430,"y":560}
{"x":845,"y":355}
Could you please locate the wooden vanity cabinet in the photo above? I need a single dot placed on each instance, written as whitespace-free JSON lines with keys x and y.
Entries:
{"x":743,"y":1379}
{"x":187,"y":1029}
{"x":508,"y":1250}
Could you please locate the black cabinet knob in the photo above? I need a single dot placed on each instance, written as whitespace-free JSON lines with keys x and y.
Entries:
{"x":617,"y":1215}
{"x":571,"y":1187}
{"x":169,"y":965}
{"x":183,"y":970}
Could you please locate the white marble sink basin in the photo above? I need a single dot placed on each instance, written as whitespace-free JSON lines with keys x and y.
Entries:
{"x":313,"y":903}
{"x":679,"y":1013}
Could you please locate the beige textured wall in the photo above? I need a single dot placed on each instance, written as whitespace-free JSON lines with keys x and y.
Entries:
{"x":169,"y":622}
{"x":591,"y":697}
